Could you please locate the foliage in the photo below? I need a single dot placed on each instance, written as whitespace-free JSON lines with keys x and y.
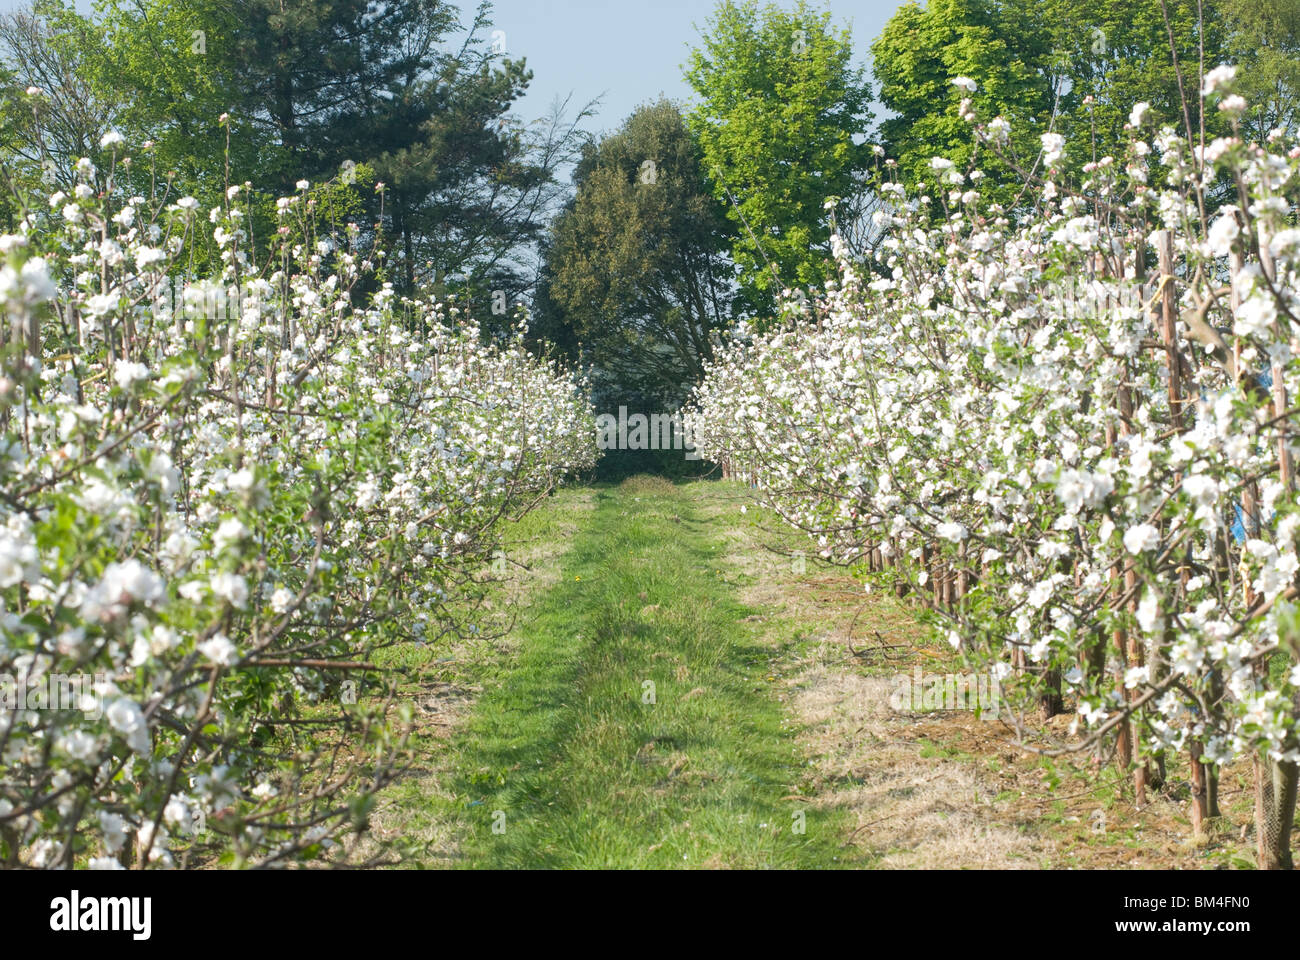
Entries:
{"x":1071,"y":68}
{"x":1002,"y":48}
{"x":781,"y":118}
{"x":320,"y":88}
{"x":1115,"y":53}
{"x":1265,"y":44}
{"x":52,"y":113}
{"x":635,"y":266}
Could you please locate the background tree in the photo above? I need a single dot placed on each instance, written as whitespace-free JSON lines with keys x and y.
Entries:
{"x":1075,"y":67}
{"x":162,"y":61}
{"x":1004,"y":48}
{"x":322,"y":79}
{"x":320,"y":89}
{"x":470,"y":199}
{"x":1264,"y":41}
{"x":46,"y":133}
{"x":636,"y":267}
{"x":1119,"y":53}
{"x":781,"y":118}
{"x":337,"y":83}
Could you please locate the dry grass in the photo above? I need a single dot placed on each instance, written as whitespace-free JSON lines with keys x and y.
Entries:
{"x":910,"y":812}
{"x":645,"y":485}
{"x":945,"y":789}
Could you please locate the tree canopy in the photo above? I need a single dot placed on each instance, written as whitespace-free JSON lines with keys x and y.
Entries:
{"x":635,"y":266}
{"x":782,"y":119}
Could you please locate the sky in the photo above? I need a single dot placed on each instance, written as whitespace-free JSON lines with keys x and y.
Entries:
{"x":626,"y":51}
{"x":629,"y":51}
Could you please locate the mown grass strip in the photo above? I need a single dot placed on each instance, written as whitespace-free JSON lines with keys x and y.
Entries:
{"x":634,"y":728}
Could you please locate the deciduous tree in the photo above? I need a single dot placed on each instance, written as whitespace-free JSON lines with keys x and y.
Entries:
{"x":781,"y":119}
{"x":636,"y":267}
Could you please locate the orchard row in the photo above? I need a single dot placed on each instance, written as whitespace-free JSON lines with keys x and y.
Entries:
{"x":212,"y":521}
{"x":1070,"y":427}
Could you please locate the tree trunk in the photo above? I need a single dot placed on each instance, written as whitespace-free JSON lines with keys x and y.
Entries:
{"x":1275,"y":796}
{"x":1200,"y":807}
{"x":1051,"y":701}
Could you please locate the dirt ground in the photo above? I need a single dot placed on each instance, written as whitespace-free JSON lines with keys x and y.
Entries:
{"x":948,"y":789}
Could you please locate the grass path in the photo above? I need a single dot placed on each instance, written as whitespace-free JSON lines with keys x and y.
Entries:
{"x":635,"y":726}
{"x":676,"y":692}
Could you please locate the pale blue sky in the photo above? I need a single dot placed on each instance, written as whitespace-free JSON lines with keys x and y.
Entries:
{"x":630,"y":51}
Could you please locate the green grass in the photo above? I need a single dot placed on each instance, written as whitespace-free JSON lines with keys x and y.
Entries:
{"x":565,"y":762}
